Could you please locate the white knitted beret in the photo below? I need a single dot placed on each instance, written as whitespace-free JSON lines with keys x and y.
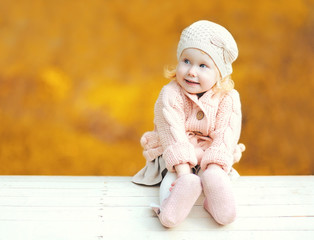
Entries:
{"x":213,"y":39}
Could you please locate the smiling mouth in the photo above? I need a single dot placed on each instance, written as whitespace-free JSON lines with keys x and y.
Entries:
{"x":190,"y":82}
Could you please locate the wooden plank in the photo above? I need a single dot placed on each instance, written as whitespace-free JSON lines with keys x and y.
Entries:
{"x":51,"y":230}
{"x":51,"y":185}
{"x":74,"y":213}
{"x":205,"y":235}
{"x":52,"y":201}
{"x":129,"y":189}
{"x":112,"y":228}
{"x":199,"y":211}
{"x":125,"y":190}
{"x":64,"y":232}
{"x":272,"y":179}
{"x":50,"y":213}
{"x":42,"y":192}
{"x":241,"y":200}
{"x":208,"y":224}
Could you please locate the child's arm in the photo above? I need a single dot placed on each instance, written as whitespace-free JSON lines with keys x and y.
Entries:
{"x":183,"y":169}
{"x":170,"y":125}
{"x":226,"y":133}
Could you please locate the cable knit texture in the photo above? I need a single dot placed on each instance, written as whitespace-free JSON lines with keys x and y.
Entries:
{"x":195,"y":131}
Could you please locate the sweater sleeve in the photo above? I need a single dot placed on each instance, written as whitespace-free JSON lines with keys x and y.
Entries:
{"x":170,"y":125}
{"x":226,"y":134}
{"x":151,"y":146}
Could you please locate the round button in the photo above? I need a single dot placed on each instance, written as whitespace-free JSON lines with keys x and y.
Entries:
{"x":200,"y":115}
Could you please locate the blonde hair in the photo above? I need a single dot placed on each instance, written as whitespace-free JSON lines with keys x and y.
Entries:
{"x":223,"y":85}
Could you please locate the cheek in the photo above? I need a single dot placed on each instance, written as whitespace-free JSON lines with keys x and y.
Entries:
{"x":216,"y":76}
{"x":211,"y":83}
{"x":180,"y":72}
{"x":210,"y":80}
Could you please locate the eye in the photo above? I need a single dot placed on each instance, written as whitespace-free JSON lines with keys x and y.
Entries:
{"x":203,"y":66}
{"x":187,"y":61}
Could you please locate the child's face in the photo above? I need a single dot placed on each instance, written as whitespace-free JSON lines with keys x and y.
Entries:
{"x":196,"y":72}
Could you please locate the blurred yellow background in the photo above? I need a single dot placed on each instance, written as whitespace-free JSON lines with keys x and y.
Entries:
{"x":79,"y":79}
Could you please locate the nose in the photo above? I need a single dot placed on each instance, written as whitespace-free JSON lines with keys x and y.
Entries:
{"x":192,"y":71}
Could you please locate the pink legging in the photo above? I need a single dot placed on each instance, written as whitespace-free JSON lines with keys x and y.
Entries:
{"x":219,"y":198}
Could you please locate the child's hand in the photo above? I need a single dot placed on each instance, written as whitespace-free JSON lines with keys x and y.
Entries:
{"x":172,"y":185}
{"x":181,"y":170}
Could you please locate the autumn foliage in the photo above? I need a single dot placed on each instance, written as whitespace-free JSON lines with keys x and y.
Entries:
{"x":78,"y":81}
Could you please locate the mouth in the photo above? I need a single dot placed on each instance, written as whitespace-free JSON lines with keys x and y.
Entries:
{"x":191,"y":82}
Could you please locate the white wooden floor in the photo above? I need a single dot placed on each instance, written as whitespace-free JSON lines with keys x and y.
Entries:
{"x":36,"y":207}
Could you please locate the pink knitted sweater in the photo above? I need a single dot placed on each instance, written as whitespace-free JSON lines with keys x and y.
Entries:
{"x":197,"y":131}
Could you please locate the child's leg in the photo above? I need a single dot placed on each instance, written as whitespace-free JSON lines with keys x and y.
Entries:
{"x":175,"y":208}
{"x":219,"y":197}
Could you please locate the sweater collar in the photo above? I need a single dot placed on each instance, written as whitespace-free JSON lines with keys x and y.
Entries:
{"x":208,"y":98}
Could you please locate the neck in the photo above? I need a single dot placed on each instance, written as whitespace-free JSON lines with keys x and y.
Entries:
{"x":199,"y":95}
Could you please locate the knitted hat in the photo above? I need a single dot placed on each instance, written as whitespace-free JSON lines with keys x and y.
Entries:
{"x":214,"y":40}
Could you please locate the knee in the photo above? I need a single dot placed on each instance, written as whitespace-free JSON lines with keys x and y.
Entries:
{"x":168,"y":221}
{"x":214,"y":176}
{"x":214,"y":169}
{"x":223,"y":214}
{"x":227,"y":217}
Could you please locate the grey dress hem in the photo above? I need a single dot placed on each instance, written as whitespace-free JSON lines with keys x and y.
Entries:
{"x":152,"y":173}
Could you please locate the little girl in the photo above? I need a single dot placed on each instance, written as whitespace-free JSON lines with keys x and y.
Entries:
{"x":197,"y":128}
